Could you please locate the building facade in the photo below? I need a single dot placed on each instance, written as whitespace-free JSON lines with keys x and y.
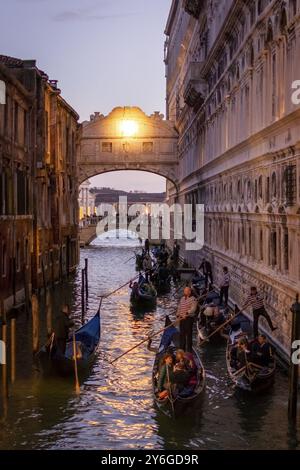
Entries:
{"x":230,"y":68}
{"x":16,"y":196}
{"x":50,"y":161}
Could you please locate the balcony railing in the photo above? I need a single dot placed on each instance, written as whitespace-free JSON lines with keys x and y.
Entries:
{"x":193,"y":7}
{"x":194,"y":86}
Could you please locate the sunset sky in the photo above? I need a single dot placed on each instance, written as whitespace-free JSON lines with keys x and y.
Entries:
{"x":105,"y":53}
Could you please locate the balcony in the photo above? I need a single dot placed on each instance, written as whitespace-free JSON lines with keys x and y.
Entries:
{"x":194,"y":86}
{"x":193,"y":7}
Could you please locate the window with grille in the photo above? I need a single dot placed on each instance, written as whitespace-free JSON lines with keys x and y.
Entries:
{"x":148,"y":147}
{"x":107,"y":147}
{"x":290,"y":185}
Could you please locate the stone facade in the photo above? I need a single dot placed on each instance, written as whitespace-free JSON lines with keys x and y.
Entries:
{"x":15,"y":192}
{"x":230,"y":68}
{"x":51,"y":133}
{"x":105,"y":145}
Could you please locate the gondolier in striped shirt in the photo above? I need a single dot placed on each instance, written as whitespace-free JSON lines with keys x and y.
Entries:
{"x":185,"y":313}
{"x":256,"y":301}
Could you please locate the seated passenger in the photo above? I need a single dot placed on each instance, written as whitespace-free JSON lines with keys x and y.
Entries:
{"x":243,"y":353}
{"x":182,"y":370}
{"x":166,"y":375}
{"x":262,"y":351}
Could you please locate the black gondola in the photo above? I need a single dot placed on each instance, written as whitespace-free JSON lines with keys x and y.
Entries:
{"x":87,"y":340}
{"x":176,"y":406}
{"x":253,"y":377}
{"x":144,"y":296}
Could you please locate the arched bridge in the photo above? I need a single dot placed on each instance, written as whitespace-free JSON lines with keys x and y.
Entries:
{"x":128,"y":139}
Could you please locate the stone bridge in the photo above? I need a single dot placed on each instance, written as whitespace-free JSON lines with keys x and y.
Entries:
{"x":128,"y":139}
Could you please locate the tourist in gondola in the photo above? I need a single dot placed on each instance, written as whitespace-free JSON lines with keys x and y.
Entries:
{"x":224,"y":291}
{"x":206,"y":268}
{"x":62,"y":329}
{"x":166,"y":378}
{"x":240,"y":355}
{"x":262,"y":351}
{"x":185,"y":314}
{"x":182,"y":369}
{"x":256,"y":301}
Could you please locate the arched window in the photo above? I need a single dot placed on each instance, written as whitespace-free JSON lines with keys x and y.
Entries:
{"x":273,"y":248}
{"x":274,"y":185}
{"x":268,"y":190}
{"x":293,"y":8}
{"x":270,"y":32}
{"x":283,"y":20}
{"x":260,"y":187}
{"x":261,"y":245}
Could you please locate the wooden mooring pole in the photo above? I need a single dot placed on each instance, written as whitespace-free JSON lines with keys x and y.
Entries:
{"x":294,"y":364}
{"x":82,"y":296}
{"x":86,"y":269}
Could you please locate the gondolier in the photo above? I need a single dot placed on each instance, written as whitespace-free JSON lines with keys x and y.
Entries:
{"x":185,"y":313}
{"x":224,"y":291}
{"x":206,"y":268}
{"x":256,"y":300}
{"x":62,"y":329}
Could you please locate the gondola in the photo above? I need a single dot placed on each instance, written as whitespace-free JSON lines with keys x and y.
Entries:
{"x":190,"y":396}
{"x":146,"y":297}
{"x":252,"y":378}
{"x":87,"y":338}
{"x":207,"y":325}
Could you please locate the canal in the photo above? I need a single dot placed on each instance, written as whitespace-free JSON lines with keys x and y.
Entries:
{"x":115,"y":408}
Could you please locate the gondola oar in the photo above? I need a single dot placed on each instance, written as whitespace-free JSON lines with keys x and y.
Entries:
{"x":144,"y":341}
{"x":77,"y":386}
{"x":176,"y":322}
{"x":119,"y":288}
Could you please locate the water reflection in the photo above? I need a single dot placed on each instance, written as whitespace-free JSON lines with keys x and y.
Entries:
{"x":115,"y":409}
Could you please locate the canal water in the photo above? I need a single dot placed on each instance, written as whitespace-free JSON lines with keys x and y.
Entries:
{"x":115,"y":409}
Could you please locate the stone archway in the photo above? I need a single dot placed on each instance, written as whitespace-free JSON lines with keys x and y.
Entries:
{"x":128,"y":139}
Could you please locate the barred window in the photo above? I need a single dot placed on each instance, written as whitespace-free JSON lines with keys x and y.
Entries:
{"x":107,"y":147}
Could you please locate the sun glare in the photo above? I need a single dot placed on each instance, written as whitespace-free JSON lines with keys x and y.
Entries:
{"x":129,"y":128}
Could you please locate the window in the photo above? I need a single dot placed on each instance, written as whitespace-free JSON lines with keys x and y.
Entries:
{"x":286,"y":251}
{"x":4,"y":261}
{"x":252,"y":13}
{"x":18,"y":257}
{"x":21,"y":193}
{"x":274,"y":185}
{"x":107,"y":147}
{"x":26,"y":252}
{"x":16,"y":122}
{"x":268,"y":190}
{"x":147,"y":147}
{"x":273,"y":249}
{"x":293,"y":7}
{"x":261,"y":245}
{"x":260,"y":187}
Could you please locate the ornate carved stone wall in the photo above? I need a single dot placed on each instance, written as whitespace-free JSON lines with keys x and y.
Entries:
{"x":239,"y":149}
